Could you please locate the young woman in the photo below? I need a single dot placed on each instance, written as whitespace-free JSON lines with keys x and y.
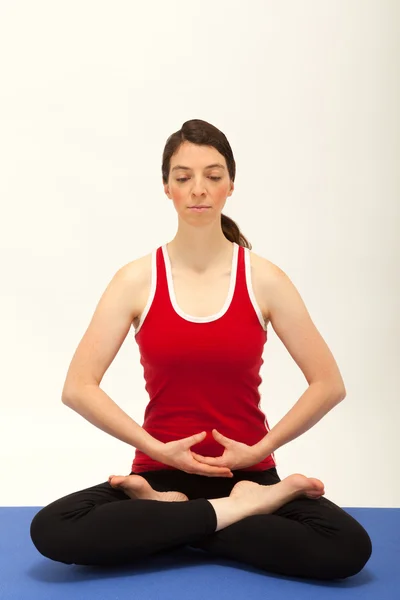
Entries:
{"x":204,"y":472}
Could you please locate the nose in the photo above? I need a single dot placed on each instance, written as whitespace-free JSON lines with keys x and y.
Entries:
{"x":198,"y":187}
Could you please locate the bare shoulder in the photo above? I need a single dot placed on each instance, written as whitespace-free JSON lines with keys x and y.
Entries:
{"x":265,"y":271}
{"x":137,"y":275}
{"x":137,"y":267}
{"x":263,"y":274}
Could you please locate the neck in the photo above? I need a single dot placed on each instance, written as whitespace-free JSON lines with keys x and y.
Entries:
{"x":199,"y":254}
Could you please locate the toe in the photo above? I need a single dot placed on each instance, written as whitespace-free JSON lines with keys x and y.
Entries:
{"x":116,"y":480}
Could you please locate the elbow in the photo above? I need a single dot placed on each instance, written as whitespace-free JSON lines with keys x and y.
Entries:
{"x":65,"y":400}
{"x":340,"y":394}
{"x":333,"y":390}
{"x":68,"y":395}
{"x":72,"y":394}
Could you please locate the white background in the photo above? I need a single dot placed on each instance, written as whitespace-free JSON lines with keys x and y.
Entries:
{"x":308,"y":94}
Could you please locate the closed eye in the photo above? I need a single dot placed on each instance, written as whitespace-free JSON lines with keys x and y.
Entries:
{"x":186,"y":178}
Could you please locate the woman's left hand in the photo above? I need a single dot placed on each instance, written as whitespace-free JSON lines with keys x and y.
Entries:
{"x":236,"y":455}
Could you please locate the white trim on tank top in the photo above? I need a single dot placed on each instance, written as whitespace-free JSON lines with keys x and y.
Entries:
{"x":228,"y":300}
{"x":247,"y":263}
{"x":229,"y":297}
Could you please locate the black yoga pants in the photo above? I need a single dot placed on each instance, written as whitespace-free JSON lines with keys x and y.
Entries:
{"x":102,"y":526}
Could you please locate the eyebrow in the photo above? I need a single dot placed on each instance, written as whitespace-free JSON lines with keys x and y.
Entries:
{"x":208,"y":167}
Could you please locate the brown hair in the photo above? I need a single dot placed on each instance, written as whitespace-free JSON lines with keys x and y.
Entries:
{"x":202,"y":133}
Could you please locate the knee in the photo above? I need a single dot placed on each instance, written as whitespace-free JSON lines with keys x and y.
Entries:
{"x":43,"y":532}
{"x":355,"y":552}
{"x":38,"y":529}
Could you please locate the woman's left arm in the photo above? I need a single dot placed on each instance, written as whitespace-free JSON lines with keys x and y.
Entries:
{"x":293,"y":325}
{"x":319,"y":398}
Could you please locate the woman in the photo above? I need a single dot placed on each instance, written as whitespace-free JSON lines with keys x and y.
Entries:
{"x":204,"y":472}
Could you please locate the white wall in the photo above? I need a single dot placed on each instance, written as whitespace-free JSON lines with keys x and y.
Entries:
{"x":308,"y":95}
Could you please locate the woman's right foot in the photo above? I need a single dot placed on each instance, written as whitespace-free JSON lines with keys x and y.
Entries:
{"x":137,"y":487}
{"x":265,"y":499}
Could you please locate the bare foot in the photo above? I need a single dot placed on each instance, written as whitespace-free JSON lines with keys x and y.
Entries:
{"x":261,"y":499}
{"x":137,"y":487}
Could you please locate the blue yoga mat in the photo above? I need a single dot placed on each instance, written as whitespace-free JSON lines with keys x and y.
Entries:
{"x":187,"y":573}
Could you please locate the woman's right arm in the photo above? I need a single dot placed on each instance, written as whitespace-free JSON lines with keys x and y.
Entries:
{"x":94,"y":405}
{"x":100,"y":344}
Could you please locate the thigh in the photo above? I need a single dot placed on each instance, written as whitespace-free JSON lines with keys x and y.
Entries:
{"x":321,"y":514}
{"x":303,"y":538}
{"x":85,"y":499}
{"x":59,"y":524}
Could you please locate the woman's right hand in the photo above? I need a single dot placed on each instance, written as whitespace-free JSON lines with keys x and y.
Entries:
{"x":178,"y":454}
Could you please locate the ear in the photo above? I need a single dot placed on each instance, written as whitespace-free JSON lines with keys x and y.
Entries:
{"x":166,"y":190}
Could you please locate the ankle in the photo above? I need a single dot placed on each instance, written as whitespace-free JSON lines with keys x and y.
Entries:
{"x":228,"y":511}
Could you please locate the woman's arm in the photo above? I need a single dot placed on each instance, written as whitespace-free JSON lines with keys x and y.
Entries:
{"x":315,"y":403}
{"x":94,"y":405}
{"x":293,"y":325}
{"x":101,"y":342}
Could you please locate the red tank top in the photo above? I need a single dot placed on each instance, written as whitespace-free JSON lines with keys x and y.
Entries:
{"x":202,"y":373}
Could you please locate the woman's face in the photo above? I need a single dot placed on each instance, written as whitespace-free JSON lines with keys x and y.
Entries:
{"x":198,"y":183}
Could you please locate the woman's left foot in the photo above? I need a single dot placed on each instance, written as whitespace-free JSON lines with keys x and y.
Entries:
{"x":138,"y":488}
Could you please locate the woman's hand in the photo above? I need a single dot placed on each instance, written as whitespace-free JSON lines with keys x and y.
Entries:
{"x":236,"y":455}
{"x":178,"y":455}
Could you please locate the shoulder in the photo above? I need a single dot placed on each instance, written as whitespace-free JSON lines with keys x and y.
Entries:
{"x":266,"y":271}
{"x":136,"y":272}
{"x":134,"y":279}
{"x":265,"y":276}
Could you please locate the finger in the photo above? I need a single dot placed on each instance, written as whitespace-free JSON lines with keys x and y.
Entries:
{"x":200,"y":456}
{"x":222,"y":437}
{"x":208,"y":460}
{"x":210,"y":470}
{"x":217,"y":473}
{"x":197,"y":456}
